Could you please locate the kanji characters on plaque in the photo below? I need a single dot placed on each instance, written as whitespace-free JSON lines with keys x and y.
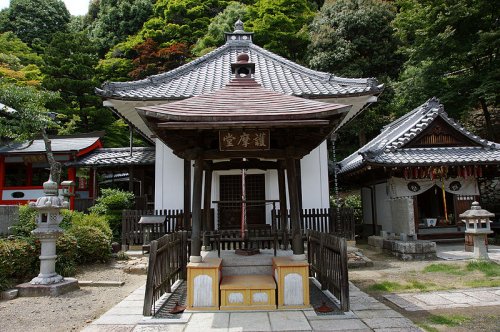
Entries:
{"x":244,"y":140}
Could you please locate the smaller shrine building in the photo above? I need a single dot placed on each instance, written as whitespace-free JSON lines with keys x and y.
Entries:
{"x":420,"y":173}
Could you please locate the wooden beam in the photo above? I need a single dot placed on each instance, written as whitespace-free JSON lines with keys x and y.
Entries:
{"x":297,"y":243}
{"x":187,"y":193}
{"x":190,"y":125}
{"x":249,"y":164}
{"x":196,"y":227}
{"x":283,"y":207}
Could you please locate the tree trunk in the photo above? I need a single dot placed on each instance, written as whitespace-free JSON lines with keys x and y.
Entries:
{"x":487,"y":119}
{"x":55,"y":166}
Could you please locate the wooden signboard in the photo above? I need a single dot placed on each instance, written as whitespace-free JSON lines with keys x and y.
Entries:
{"x":36,"y":158}
{"x":244,"y":140}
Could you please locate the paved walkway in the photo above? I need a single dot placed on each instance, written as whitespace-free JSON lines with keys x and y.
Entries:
{"x":455,"y":251}
{"x":474,"y":297}
{"x":367,"y":314}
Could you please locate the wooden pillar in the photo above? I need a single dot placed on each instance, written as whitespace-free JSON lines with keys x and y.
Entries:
{"x":187,"y":194}
{"x":131,"y":179}
{"x":72,"y":177}
{"x":297,"y":243}
{"x":196,"y":227}
{"x":299,"y":182}
{"x":283,"y":207}
{"x":207,"y":198}
{"x":2,"y":175}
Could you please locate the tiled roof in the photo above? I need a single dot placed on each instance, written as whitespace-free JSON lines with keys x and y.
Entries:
{"x":117,"y":157}
{"x":213,"y":71}
{"x":243,"y":99}
{"x":388,"y":148}
{"x":59,"y":144}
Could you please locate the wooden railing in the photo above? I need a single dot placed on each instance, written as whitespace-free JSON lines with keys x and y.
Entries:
{"x":232,"y":239}
{"x":132,"y":232}
{"x":325,"y":220}
{"x":168,"y":258}
{"x":327,"y":255}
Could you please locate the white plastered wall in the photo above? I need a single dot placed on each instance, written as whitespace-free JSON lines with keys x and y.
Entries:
{"x":383,"y":207}
{"x":169,"y":182}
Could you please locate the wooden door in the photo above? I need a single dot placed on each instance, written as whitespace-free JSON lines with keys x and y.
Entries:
{"x":230,"y":191}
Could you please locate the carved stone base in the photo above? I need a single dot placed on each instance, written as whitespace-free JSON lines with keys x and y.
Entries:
{"x":65,"y":286}
{"x":46,"y":280}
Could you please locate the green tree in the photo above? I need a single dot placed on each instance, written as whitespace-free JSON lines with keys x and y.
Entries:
{"x":35,"y":21}
{"x":356,"y":39}
{"x":111,"y":21}
{"x":24,"y":116}
{"x":452,"y":51}
{"x":281,"y":26}
{"x":70,"y":59}
{"x":223,"y":22}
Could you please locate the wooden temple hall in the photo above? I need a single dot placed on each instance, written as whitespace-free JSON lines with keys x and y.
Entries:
{"x":244,"y":126}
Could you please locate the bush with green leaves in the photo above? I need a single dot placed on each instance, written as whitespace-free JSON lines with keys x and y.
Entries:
{"x":67,"y":253}
{"x":26,"y":222}
{"x":93,"y":244}
{"x":113,"y":199}
{"x":76,"y":218}
{"x":18,"y":260}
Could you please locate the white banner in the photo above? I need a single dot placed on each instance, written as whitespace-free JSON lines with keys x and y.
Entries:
{"x":400,"y":187}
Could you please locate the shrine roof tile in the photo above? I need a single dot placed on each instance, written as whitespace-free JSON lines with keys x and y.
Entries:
{"x":59,"y":145}
{"x":212,"y":72}
{"x":390,"y":146}
{"x":117,"y":157}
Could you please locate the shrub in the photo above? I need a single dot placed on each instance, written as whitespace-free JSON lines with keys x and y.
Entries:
{"x":74,"y":219}
{"x":67,"y":253}
{"x":113,"y":199}
{"x":26,"y":222}
{"x":93,"y":244}
{"x":18,"y":259}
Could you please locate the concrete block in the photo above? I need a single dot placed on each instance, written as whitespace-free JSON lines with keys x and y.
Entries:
{"x":9,"y":294}
{"x":29,"y":290}
{"x":376,"y":241}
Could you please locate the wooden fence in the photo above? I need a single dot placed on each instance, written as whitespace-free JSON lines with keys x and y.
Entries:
{"x":168,"y":258}
{"x":132,"y":232}
{"x":327,"y":256}
{"x":326,"y":220}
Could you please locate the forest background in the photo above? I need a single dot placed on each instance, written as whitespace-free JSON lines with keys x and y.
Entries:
{"x":52,"y":61}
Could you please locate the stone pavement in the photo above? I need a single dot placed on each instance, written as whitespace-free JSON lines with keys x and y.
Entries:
{"x":455,"y":251}
{"x":367,"y":314}
{"x":473,"y":297}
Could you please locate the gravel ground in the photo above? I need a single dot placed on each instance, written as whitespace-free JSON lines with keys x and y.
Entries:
{"x":71,"y":311}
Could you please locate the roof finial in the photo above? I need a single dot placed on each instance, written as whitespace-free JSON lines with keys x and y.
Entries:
{"x":238,"y":26}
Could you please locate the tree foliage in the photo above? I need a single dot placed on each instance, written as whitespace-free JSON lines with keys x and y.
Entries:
{"x":112,"y":21}
{"x":452,"y":51}
{"x":281,"y":26}
{"x":35,"y":21}
{"x":355,"y":39}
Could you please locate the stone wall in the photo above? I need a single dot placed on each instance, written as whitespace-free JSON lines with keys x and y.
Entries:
{"x":9,"y":215}
{"x":490,"y":194}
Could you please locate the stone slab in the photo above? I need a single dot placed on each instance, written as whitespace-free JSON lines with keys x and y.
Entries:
{"x":209,"y":322}
{"x":483,"y":296}
{"x":432,"y":299}
{"x":9,"y":294}
{"x":289,"y":321}
{"x":118,"y":319}
{"x":90,"y":283}
{"x":460,"y":298}
{"x":339,"y":325}
{"x":159,"y":328}
{"x":379,"y":323}
{"x":364,"y":314}
{"x":108,"y":328}
{"x":29,"y":290}
{"x":249,"y":321}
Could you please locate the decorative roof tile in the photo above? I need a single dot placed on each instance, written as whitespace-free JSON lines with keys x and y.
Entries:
{"x":388,"y":148}
{"x":212,"y":72}
{"x":59,"y":144}
{"x":117,"y":157}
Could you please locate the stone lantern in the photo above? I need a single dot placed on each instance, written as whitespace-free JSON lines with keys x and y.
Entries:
{"x":477,"y":225}
{"x":47,"y":231}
